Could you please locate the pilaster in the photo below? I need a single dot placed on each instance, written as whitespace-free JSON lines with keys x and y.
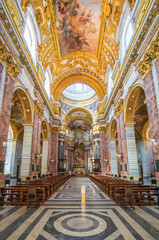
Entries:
{"x":133,"y":167}
{"x":114,"y":160}
{"x":26,"y":151}
{"x":44,"y":162}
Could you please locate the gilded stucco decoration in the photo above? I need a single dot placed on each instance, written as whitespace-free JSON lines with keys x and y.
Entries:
{"x":77,"y":77}
{"x":53,"y":129}
{"x":38,"y":108}
{"x":56,"y":23}
{"x":119,"y":107}
{"x":102,"y":129}
{"x":12,"y":67}
{"x":132,"y":3}
{"x":152,"y":53}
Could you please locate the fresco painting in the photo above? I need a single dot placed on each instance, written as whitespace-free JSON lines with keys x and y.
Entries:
{"x":78,"y":25}
{"x":79,"y":156}
{"x":79,"y":124}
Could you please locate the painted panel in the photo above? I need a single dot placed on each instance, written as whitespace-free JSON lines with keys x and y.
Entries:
{"x":78,"y":25}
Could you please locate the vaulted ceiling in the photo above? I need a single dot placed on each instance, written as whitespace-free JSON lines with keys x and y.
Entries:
{"x":77,"y":40}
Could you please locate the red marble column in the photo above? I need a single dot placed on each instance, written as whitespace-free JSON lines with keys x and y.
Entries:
{"x":122,"y":144}
{"x":5,"y":118}
{"x":86,"y":160}
{"x":35,"y":144}
{"x":153,"y":113}
{"x":53,"y":152}
{"x":157,"y":69}
{"x":103,"y":152}
{"x":1,"y":69}
{"x":70,"y":159}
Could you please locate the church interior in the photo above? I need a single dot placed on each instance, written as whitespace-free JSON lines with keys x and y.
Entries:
{"x":79,"y":119}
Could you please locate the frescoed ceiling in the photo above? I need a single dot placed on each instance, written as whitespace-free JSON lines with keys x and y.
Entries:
{"x":78,"y":25}
{"x":78,"y":40}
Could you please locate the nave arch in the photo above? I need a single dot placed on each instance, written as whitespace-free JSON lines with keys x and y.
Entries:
{"x":136,"y":113}
{"x":90,"y":81}
{"x":21,"y":114}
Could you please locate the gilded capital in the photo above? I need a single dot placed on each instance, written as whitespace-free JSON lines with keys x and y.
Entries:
{"x":4,"y":53}
{"x":12,"y":68}
{"x":152,"y":53}
{"x":119,"y":108}
{"x":38,"y":108}
{"x":53,"y":129}
{"x":102,"y":129}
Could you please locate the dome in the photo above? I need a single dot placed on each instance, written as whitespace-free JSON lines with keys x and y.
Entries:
{"x":78,"y":94}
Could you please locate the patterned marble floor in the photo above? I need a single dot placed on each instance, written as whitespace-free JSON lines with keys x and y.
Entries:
{"x":62,"y":217}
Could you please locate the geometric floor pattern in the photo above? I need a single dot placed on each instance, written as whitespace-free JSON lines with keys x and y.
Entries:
{"x":62,"y":217}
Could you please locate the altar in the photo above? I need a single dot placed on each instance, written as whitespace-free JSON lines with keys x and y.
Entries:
{"x":79,"y":171}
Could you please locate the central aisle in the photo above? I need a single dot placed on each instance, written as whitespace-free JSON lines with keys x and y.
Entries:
{"x":69,"y":195}
{"x":63,"y":218}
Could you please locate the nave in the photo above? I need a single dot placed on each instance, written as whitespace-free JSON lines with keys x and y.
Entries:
{"x":63,"y":217}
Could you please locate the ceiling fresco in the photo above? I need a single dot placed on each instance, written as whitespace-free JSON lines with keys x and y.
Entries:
{"x":79,"y":124}
{"x":78,"y":25}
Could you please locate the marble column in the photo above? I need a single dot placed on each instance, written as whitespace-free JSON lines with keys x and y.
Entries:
{"x":7,"y":169}
{"x":53,"y":152}
{"x":145,"y":154}
{"x":155,"y":81}
{"x":122,"y":143}
{"x":26,"y":151}
{"x":103,"y":151}
{"x":133,"y":167}
{"x":35,"y":151}
{"x":4,"y":120}
{"x":44,"y":161}
{"x":86,"y":160}
{"x":114,"y":160}
{"x":2,"y":82}
{"x":13,"y":163}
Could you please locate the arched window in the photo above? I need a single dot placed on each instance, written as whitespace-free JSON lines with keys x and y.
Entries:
{"x":31,"y":33}
{"x":125,"y":30}
{"x":129,"y":34}
{"x":48,"y":81}
{"x":30,"y":38}
{"x":109,"y":80}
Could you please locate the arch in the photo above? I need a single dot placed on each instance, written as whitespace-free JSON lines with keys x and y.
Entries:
{"x":79,"y":109}
{"x":26,"y":104}
{"x":130,"y":104}
{"x":83,"y":78}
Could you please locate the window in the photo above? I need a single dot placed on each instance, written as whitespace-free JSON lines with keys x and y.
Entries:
{"x":31,"y":32}
{"x":48,"y":81}
{"x":30,"y":39}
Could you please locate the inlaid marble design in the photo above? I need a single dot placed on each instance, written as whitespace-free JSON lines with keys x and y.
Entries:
{"x":63,"y":218}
